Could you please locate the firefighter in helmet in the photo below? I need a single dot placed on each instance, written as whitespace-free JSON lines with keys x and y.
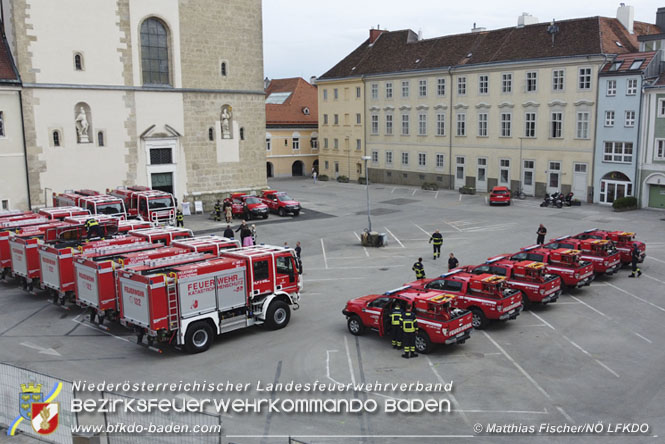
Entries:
{"x":218,"y":211}
{"x":179,"y":218}
{"x":92,"y":226}
{"x":396,"y":325}
{"x":409,"y":329}
{"x":436,"y":240}
{"x":419,"y":269}
{"x":634,"y":259}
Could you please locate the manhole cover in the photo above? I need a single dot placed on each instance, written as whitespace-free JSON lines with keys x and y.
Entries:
{"x":399,"y":201}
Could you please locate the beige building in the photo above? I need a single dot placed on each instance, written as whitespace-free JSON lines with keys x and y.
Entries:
{"x":164,"y":93}
{"x":292,"y":140}
{"x":502,"y":107}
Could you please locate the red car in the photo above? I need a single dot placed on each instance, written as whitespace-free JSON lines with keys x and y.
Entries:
{"x":247,"y":207}
{"x":500,"y":195}
{"x":279,"y":202}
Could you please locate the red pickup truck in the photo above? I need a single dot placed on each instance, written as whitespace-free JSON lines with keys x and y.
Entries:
{"x":530,"y":277}
{"x":601,"y":253}
{"x":247,"y":207}
{"x":485,"y":295}
{"x":624,"y":242}
{"x":564,"y":262}
{"x":438,"y":321}
{"x":281,"y":203}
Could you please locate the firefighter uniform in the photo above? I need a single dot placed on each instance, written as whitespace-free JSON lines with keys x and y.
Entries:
{"x":218,"y":211}
{"x":409,"y":329}
{"x":634,"y":259}
{"x":92,"y":226}
{"x":179,"y":219}
{"x":419,"y":269}
{"x":436,"y":240}
{"x":396,"y":326}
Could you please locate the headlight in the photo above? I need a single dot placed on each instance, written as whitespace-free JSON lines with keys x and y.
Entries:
{"x":499,"y":308}
{"x":542,"y":291}
{"x":444,"y":331}
{"x":577,"y":275}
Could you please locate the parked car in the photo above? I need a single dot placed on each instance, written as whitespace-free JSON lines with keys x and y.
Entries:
{"x":500,"y":195}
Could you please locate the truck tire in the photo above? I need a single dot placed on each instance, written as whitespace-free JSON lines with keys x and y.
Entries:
{"x":278,"y":315}
{"x":423,"y":343}
{"x":199,"y":337}
{"x":355,"y":325}
{"x":296,"y":213}
{"x":479,"y":320}
{"x":281,"y":212}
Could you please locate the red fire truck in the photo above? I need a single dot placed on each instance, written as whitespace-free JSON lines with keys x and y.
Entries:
{"x":601,"y":253}
{"x":564,"y":262}
{"x":18,"y":222}
{"x":13,"y":213}
{"x":530,"y":277}
{"x":438,"y":321}
{"x":485,"y":295}
{"x":247,"y":207}
{"x":92,"y":201}
{"x":62,"y":212}
{"x":189,"y":304}
{"x":151,"y":205}
{"x":165,"y":235}
{"x":281,"y":203}
{"x":212,"y":244}
{"x":623,"y":240}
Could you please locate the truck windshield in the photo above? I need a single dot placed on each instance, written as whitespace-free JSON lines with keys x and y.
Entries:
{"x":162,"y":202}
{"x":110,"y":208}
{"x":252,"y":200}
{"x":284,"y":197}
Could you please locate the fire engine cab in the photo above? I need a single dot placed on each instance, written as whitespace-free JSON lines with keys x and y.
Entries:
{"x":92,"y":201}
{"x":485,"y":295}
{"x":600,"y":252}
{"x":438,"y":321}
{"x":624,"y":242}
{"x":147,"y":204}
{"x":564,"y":262}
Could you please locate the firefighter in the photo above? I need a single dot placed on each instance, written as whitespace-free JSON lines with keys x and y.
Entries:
{"x":436,"y":240}
{"x":409,"y":329}
{"x":218,"y":211}
{"x":92,"y":226}
{"x":542,"y":231}
{"x":452,"y":262}
{"x":298,"y":257}
{"x":419,"y":269}
{"x":228,"y":233}
{"x":634,"y":259}
{"x":396,"y":325}
{"x":179,"y":218}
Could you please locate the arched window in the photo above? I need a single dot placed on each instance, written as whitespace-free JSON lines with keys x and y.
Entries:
{"x":242,"y":133}
{"x":223,"y":69}
{"x":78,"y":62}
{"x":56,"y":138}
{"x":100,"y":138}
{"x":154,"y":52}
{"x":211,"y":134}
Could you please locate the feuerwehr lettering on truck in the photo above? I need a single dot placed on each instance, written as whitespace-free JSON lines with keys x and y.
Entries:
{"x":135,"y":304}
{"x":50,"y":269}
{"x":86,"y":285}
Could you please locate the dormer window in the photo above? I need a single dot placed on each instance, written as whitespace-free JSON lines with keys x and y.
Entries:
{"x":305,"y":111}
{"x":615,"y":66}
{"x":637,"y":64}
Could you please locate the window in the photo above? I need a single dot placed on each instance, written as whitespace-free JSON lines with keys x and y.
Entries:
{"x":269,"y":143}
{"x":261,"y":270}
{"x":78,"y":62}
{"x":482,"y":125}
{"x":461,"y":124}
{"x":100,"y":138}
{"x":556,"y":125}
{"x":56,"y":138}
{"x":461,"y":86}
{"x":422,"y":159}
{"x":375,"y":124}
{"x":223,"y":69}
{"x":557,"y":79}
{"x":335,"y":93}
{"x":422,"y":124}
{"x":459,"y":170}
{"x":2,"y":124}
{"x":506,"y":124}
{"x":611,"y":88}
{"x":582,"y":125}
{"x":325,"y":143}
{"x":335,"y":143}
{"x":440,"y":124}
{"x":405,"y":158}
{"x":154,"y":52}
{"x":660,"y":149}
{"x":375,"y":90}
{"x":358,"y":92}
{"x":661,"y":107}
{"x":358,"y":144}
{"x":405,"y":124}
{"x":325,"y":119}
{"x":619,"y":152}
{"x":336,"y":119}
{"x":211,"y":134}
{"x":609,"y":118}
{"x":5,"y":204}
{"x":326,"y":165}
{"x":405,"y":88}
{"x":325,"y":94}
{"x":314,"y":142}
{"x":615,"y":66}
{"x":554,"y":171}
{"x":296,"y":143}
{"x":440,"y":87}
{"x":631,"y":89}
{"x":284,"y":265}
{"x":389,"y":90}
{"x":636,"y":64}
{"x":584,"y":78}
{"x":358,"y":119}
{"x":389,"y":157}
{"x":160,"y":156}
{"x":242,"y":133}
{"x":422,"y":88}
{"x":483,"y":84}
{"x":439,"y":161}
{"x":504,"y":171}
{"x":375,"y":157}
{"x":482,"y":169}
{"x":506,"y":83}
{"x":531,"y":81}
{"x":530,"y":125}
{"x":630,"y":119}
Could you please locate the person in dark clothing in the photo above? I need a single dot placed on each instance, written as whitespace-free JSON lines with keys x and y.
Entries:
{"x":228,"y":233}
{"x":452,"y":262}
{"x":298,"y":257}
{"x":542,"y":231}
{"x":245,"y":232}
{"x":634,"y":259}
{"x":92,"y":226}
{"x":179,"y":218}
{"x":218,"y":211}
{"x":396,"y":325}
{"x":409,"y":329}
{"x":436,"y":240}
{"x":419,"y":269}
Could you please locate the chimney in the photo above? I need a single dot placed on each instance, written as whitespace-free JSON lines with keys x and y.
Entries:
{"x":477,"y":28}
{"x":374,"y":34}
{"x":626,"y":16}
{"x":660,"y":19}
{"x":312,"y":80}
{"x":266,"y":83}
{"x":526,"y":19}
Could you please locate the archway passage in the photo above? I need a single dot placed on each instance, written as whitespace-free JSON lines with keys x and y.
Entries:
{"x":613,"y":186}
{"x":315,"y":166}
{"x":297,"y":168}
{"x":269,"y":169}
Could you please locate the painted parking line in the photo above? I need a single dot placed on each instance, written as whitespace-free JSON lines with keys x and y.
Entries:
{"x":394,"y":237}
{"x":364,"y":248}
{"x":452,"y":397}
{"x":414,"y":192}
{"x":652,"y":278}
{"x":421,"y":229}
{"x":325,"y":259}
{"x":636,"y":297}
{"x":590,"y":307}
{"x":436,"y":195}
{"x":655,"y":259}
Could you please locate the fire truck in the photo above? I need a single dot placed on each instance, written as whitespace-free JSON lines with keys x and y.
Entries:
{"x":92,"y":201}
{"x":165,"y":235}
{"x":188,"y":305}
{"x":13,"y":213}
{"x":147,"y":204}
{"x":281,"y":203}
{"x":61,"y":213}
{"x":624,"y":242}
{"x":564,"y":262}
{"x":485,"y":295}
{"x":207,"y":244}
{"x":17,"y":222}
{"x":438,"y":321}
{"x":600,"y":252}
{"x":531,"y":278}
{"x":247,"y":207}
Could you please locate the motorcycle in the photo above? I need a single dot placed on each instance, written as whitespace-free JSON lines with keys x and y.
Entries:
{"x":554,"y":200}
{"x":568,"y":200}
{"x":547,"y":201}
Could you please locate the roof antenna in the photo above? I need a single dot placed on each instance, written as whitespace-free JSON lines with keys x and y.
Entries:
{"x":552,"y":29}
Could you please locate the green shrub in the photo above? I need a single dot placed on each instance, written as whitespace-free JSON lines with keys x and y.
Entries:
{"x":625,"y":203}
{"x":343,"y":179}
{"x":362,"y":181}
{"x":323,"y":177}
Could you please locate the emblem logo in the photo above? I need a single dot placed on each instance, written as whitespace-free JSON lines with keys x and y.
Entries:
{"x":40,"y":410}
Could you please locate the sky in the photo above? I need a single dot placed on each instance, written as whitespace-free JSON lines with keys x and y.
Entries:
{"x":305,"y":38}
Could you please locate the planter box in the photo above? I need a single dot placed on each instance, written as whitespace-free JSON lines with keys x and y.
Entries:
{"x":467,"y":190}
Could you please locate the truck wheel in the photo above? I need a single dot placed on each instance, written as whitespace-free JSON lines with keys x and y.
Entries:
{"x":296,"y":213}
{"x":266,"y":216}
{"x":479,"y":320}
{"x":247,"y":216}
{"x":278,"y":315}
{"x":355,"y":325}
{"x":423,"y":343}
{"x":281,"y":212}
{"x":198,"y":337}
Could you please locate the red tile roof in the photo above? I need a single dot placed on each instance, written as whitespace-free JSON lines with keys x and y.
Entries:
{"x":7,"y":71}
{"x":303,"y":95}
{"x":627,"y":60}
{"x":401,"y":51}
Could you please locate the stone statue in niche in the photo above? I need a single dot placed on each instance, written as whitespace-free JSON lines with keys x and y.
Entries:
{"x":82,"y":126}
{"x":226,"y":122}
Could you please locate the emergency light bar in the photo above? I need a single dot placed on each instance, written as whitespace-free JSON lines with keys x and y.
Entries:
{"x":397,"y":290}
{"x":530,"y":248}
{"x":589,"y":231}
{"x":491,"y":261}
{"x":450,"y":273}
{"x":562,"y":238}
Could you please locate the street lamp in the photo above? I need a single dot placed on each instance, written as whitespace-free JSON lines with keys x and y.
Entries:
{"x":369,"y":220}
